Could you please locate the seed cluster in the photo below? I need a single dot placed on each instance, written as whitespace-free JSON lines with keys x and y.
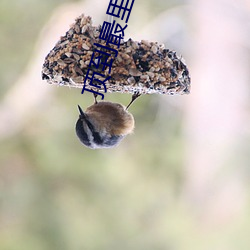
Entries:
{"x":144,"y":67}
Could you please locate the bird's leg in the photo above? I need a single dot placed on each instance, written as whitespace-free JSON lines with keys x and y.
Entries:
{"x":134,"y":97}
{"x":95,"y":96}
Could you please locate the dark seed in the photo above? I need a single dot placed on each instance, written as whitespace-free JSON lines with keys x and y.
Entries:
{"x":45,"y":77}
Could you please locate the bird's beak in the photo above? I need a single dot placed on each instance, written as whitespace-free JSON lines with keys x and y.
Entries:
{"x":82,"y":115}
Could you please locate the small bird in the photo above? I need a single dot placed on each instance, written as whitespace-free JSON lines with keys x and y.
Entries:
{"x":104,"y":124}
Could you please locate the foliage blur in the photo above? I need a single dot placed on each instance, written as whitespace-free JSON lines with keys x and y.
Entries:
{"x":170,"y":185}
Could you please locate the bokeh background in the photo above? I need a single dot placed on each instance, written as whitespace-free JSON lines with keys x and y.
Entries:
{"x":180,"y":182}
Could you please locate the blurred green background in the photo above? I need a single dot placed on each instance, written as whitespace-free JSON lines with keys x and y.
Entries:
{"x":181,"y":181}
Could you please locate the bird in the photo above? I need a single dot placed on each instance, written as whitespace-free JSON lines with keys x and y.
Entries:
{"x":104,"y":124}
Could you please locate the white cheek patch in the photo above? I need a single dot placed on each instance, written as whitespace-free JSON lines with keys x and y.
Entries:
{"x":89,"y":133}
